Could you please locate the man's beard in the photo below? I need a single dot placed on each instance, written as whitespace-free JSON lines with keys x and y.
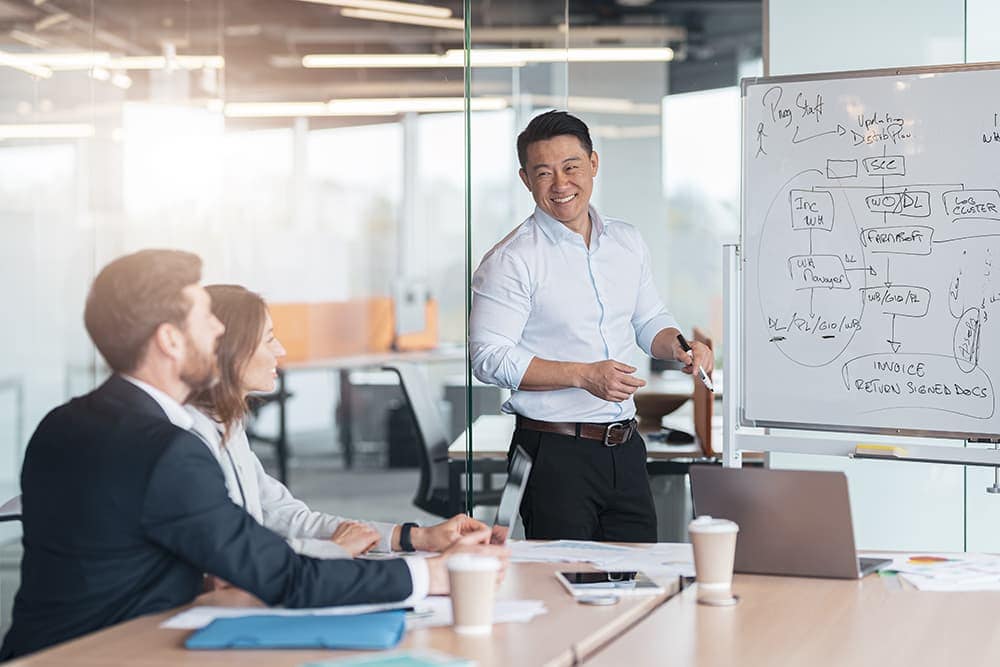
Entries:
{"x":200,"y":371}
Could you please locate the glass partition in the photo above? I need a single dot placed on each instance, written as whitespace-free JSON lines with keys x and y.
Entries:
{"x":302,"y":150}
{"x":657,"y":85}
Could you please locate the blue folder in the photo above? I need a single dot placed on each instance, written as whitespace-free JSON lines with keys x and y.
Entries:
{"x":381,"y":630}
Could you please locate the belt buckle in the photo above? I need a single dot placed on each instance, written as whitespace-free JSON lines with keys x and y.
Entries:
{"x":607,"y":433}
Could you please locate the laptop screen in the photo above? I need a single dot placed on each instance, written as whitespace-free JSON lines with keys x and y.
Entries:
{"x":792,"y":522}
{"x":510,"y":500}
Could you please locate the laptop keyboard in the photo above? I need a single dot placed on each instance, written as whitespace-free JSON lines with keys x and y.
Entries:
{"x":868,"y":565}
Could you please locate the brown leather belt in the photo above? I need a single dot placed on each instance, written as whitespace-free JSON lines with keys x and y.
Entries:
{"x":610,"y":435}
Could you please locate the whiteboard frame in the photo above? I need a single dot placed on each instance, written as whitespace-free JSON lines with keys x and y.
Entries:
{"x":741,"y":433}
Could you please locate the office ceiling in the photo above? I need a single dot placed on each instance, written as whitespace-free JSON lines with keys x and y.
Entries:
{"x":263,"y":40}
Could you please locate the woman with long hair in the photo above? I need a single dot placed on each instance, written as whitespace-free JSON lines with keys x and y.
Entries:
{"x":248,"y":354}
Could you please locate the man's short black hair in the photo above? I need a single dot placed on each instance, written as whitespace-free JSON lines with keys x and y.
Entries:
{"x":552,"y":124}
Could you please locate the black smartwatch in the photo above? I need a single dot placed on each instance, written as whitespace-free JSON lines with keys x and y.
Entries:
{"x":404,"y":536}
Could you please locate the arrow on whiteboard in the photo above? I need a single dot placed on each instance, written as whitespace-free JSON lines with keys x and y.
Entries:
{"x":840,"y":131}
{"x":888,"y":283}
{"x":894,"y":344}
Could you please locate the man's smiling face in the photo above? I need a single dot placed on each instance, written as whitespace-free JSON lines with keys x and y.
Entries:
{"x":560,"y":175}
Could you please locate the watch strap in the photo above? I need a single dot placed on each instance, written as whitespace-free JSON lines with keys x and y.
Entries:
{"x":405,"y":543}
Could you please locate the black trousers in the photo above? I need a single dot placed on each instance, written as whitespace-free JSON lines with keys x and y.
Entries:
{"x":581,"y":490}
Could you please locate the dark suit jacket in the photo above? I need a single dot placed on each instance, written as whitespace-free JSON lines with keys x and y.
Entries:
{"x":123,"y":512}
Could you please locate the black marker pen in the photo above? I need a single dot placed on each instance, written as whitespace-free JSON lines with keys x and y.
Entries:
{"x":701,"y":371}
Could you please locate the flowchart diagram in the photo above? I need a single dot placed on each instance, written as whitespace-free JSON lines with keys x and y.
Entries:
{"x":861,"y":267}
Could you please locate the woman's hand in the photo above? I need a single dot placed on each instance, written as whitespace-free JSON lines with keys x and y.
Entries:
{"x":475,"y":543}
{"x":355,"y":537}
{"x":442,"y":535}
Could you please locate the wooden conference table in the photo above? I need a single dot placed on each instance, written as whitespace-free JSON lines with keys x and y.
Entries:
{"x":565,"y":635}
{"x":789,"y":621}
{"x":780,"y":621}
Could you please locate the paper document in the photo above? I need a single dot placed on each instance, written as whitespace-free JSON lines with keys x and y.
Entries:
{"x":431,"y":612}
{"x":199,"y":617}
{"x":953,"y":572}
{"x":656,"y":560}
{"x":563,"y":551}
{"x":435,"y":611}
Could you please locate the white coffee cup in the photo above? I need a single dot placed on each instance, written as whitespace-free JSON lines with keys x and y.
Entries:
{"x":473,"y":583}
{"x":714,"y":543}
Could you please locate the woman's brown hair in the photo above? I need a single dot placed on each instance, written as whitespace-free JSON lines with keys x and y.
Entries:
{"x":244,"y":315}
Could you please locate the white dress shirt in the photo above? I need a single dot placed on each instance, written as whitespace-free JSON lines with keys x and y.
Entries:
{"x":541,"y":292}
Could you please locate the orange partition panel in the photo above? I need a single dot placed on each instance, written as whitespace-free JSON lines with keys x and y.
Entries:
{"x":334,"y":328}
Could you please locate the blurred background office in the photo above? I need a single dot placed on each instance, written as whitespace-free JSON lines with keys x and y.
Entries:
{"x":328,"y":154}
{"x":316,"y":152}
{"x":352,"y":160}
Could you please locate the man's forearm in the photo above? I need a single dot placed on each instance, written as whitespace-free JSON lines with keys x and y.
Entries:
{"x":664,"y":344}
{"x":546,"y":375}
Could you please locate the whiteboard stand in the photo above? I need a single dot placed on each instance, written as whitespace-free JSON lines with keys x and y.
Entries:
{"x":731,"y":455}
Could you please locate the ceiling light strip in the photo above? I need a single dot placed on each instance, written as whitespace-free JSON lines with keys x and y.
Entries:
{"x":361,"y":107}
{"x":486,"y":57}
{"x":411,"y":19}
{"x":14,"y":61}
{"x":410,"y":8}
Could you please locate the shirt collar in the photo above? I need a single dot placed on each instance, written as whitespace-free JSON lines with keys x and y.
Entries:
{"x":175,"y":412}
{"x":556,"y":230}
{"x":209,"y":429}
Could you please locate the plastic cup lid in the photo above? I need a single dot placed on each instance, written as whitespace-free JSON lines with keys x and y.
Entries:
{"x":707,"y":524}
{"x":473,"y":563}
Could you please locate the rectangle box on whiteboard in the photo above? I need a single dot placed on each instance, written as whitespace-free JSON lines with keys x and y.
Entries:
{"x":885,"y":165}
{"x":811,"y":209}
{"x":818,"y":271}
{"x":841,"y":168}
{"x":974,"y":204}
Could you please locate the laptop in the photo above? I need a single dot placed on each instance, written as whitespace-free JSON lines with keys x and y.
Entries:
{"x":510,"y":500}
{"x":792,"y":522}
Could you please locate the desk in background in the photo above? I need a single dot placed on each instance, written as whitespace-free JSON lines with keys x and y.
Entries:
{"x":562,"y":637}
{"x":343,"y":367}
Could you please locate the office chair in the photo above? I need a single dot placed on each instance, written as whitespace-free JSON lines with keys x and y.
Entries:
{"x":432,"y":490}
{"x":11,"y":509}
{"x":280,"y":397}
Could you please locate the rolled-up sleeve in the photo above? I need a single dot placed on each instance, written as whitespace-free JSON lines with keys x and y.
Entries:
{"x":650,"y":316}
{"x":501,"y":303}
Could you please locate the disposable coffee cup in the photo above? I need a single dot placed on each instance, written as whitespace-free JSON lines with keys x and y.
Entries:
{"x":714,"y":542}
{"x":473,"y":582}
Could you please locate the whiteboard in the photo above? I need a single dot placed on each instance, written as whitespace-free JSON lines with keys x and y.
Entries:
{"x":870,"y":273}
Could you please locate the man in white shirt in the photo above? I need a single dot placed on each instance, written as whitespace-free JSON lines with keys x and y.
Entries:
{"x":556,"y":304}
